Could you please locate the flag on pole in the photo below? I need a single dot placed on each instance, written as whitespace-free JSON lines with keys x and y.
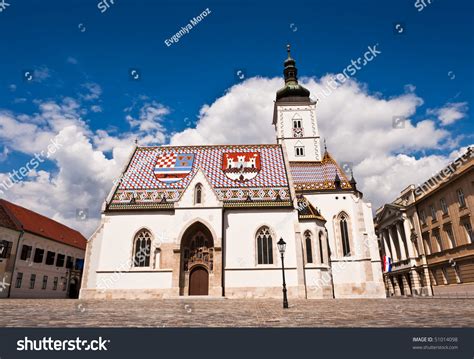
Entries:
{"x":387,"y":264}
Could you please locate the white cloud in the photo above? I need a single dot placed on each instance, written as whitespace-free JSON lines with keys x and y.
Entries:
{"x":149,"y":122}
{"x":41,"y":73}
{"x":242,"y":115}
{"x":93,"y":91}
{"x":450,"y":113}
{"x":72,"y":60}
{"x":83,"y":174}
{"x":4,"y":154}
{"x":96,"y":108}
{"x":20,"y":100}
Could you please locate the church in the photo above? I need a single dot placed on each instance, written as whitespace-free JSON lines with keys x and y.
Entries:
{"x":206,"y":219}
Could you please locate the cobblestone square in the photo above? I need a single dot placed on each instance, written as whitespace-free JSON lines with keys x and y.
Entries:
{"x":213,"y":312}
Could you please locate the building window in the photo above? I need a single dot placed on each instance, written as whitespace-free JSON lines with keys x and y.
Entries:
{"x":297,"y":123}
{"x":142,"y":249}
{"x":434,"y":280}
{"x":264,"y":246}
{"x":461,"y":199}
{"x":444,"y":207}
{"x":321,"y":253}
{"x":433,"y":213}
{"x":79,"y":264}
{"x":297,"y":126}
{"x":39,"y":253}
{"x":64,"y":282}
{"x":158,"y":258}
{"x":450,"y":235}
{"x":55,"y":283}
{"x":469,"y":234}
{"x":19,"y":278}
{"x":299,"y":151}
{"x":25,"y":252}
{"x":60,"y":260}
{"x":5,"y":249}
{"x":445,"y":275}
{"x":69,"y":262}
{"x":50,"y":258}
{"x":438,"y":240}
{"x":346,"y":248}
{"x":457,"y":273}
{"x":45,"y":282}
{"x":198,"y":194}
{"x":32,"y":281}
{"x":426,"y":243}
{"x":422,"y":217}
{"x":309,"y":248}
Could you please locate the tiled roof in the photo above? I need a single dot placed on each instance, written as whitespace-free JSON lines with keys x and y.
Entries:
{"x":6,"y":221}
{"x":318,"y":176}
{"x":306,"y":210}
{"x":143,"y":183}
{"x":40,"y":225}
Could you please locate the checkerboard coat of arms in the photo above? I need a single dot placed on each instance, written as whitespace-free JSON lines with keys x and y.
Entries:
{"x":173,"y":167}
{"x":241,"y":166}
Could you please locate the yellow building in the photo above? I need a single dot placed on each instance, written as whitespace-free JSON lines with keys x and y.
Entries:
{"x":426,"y":234}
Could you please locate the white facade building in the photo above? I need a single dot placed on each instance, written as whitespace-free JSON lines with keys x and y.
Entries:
{"x":205,"y":220}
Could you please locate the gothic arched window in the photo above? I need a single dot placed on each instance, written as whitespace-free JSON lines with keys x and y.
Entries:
{"x":309,"y":248}
{"x":321,"y":240}
{"x":198,"y":194}
{"x":346,"y":249}
{"x":142,"y":246}
{"x":264,"y":246}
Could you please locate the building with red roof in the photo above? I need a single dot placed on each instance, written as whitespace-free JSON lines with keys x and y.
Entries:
{"x":39,"y":257}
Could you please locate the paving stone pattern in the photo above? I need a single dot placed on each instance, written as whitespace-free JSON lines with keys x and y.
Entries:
{"x":212,"y":312}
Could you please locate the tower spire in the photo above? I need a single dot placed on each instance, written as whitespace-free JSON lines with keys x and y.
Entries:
{"x":292,"y":91}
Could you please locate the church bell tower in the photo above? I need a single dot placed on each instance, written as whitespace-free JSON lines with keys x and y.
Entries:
{"x":294,"y":118}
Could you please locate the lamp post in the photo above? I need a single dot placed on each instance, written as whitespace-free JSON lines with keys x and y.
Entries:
{"x":281,"y":247}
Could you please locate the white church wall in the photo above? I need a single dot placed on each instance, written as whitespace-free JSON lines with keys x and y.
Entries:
{"x":136,"y":279}
{"x":352,"y":275}
{"x":243,"y":275}
{"x":317,"y":274}
{"x":91,"y":259}
{"x":208,"y":197}
{"x":331,"y":205}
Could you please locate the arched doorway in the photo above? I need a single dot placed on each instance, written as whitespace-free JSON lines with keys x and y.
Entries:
{"x":199,"y":281}
{"x":197,"y":260}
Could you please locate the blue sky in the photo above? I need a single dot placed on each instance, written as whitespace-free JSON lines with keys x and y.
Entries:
{"x":236,"y":35}
{"x":71,"y":46}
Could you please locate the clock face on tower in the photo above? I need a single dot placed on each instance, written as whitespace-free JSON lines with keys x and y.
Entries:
{"x":297,"y":132}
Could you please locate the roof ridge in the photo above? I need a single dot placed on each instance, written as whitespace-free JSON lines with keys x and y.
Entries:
{"x":221,"y":145}
{"x":41,"y":215}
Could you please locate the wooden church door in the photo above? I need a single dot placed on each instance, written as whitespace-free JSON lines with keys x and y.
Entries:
{"x":199,"y":281}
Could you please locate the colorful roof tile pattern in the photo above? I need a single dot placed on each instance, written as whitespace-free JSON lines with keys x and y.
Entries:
{"x":318,"y":176}
{"x":139,"y":184}
{"x":306,"y":210}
